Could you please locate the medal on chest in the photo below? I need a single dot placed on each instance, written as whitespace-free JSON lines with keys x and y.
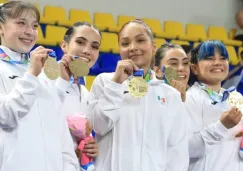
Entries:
{"x":137,"y":86}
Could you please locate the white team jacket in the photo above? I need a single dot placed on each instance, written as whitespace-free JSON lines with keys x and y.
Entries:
{"x":33,"y":134}
{"x":138,"y":134}
{"x":212,"y":147}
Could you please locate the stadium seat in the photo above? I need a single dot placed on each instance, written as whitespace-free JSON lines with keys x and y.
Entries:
{"x":194,"y":32}
{"x":105,"y":21}
{"x":232,"y":33}
{"x":195,"y":44}
{"x":122,"y":19}
{"x":172,"y":30}
{"x":53,"y":15}
{"x":75,"y":16}
{"x":3,"y":1}
{"x":155,"y":25}
{"x":109,"y":42}
{"x":233,"y":57}
{"x":89,"y":81}
{"x":220,"y":33}
{"x":159,"y":42}
{"x":180,"y":42}
{"x":54,"y":35}
{"x":239,"y":51}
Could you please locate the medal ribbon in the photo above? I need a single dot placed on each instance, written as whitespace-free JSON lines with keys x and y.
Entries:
{"x":148,"y":76}
{"x":140,"y":73}
{"x":216,"y":97}
{"x":79,"y":80}
{"x":6,"y":58}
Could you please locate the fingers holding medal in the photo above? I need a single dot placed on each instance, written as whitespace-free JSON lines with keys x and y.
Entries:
{"x":65,"y":72}
{"x":78,"y":67}
{"x":51,"y":67}
{"x":236,"y":100}
{"x":124,"y":69}
{"x":127,"y":70}
{"x":69,"y":66}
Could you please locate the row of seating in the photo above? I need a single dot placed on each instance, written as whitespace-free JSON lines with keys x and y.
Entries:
{"x":55,"y":15}
{"x":110,"y":41}
{"x":173,"y":30}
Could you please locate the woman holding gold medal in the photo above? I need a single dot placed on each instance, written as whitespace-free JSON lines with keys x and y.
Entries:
{"x":82,"y":40}
{"x":127,"y":107}
{"x":81,"y":49}
{"x":216,"y":129}
{"x":214,"y":113}
{"x":33,"y":133}
{"x":174,"y":61}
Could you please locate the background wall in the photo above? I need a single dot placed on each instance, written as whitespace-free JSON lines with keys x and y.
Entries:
{"x":207,"y":12}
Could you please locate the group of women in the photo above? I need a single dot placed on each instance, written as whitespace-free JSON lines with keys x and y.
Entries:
{"x":185,"y":124}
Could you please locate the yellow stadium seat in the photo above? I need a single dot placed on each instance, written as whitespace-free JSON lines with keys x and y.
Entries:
{"x":53,"y":15}
{"x":194,"y":32}
{"x":104,"y":21}
{"x":122,"y":19}
{"x":41,"y":40}
{"x":89,"y":81}
{"x":75,"y":16}
{"x":109,"y":42}
{"x":155,"y":25}
{"x":159,"y":42}
{"x":172,"y":30}
{"x":233,"y":57}
{"x":195,"y":44}
{"x":232,"y":33}
{"x":220,"y":33}
{"x":239,"y":51}
{"x":180,"y":42}
{"x":3,"y":1}
{"x":54,"y":35}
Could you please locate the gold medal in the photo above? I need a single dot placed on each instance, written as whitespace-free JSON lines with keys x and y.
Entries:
{"x":79,"y":68}
{"x":138,"y":87}
{"x":236,"y":100}
{"x":170,"y":74}
{"x":52,"y":68}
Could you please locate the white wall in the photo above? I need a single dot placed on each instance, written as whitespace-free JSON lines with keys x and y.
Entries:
{"x":207,"y":12}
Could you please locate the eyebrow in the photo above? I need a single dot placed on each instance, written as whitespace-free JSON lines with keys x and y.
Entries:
{"x":135,"y":36}
{"x":81,"y":37}
{"x":35,"y":21}
{"x":175,"y":59}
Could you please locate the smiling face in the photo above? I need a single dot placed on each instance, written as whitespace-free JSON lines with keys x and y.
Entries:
{"x":177,"y":59}
{"x":84,"y":43}
{"x":136,"y":44}
{"x":210,"y":63}
{"x":212,"y":70}
{"x":20,"y":34}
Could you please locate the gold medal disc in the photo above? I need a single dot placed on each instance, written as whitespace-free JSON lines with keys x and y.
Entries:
{"x":170,"y":74}
{"x":79,"y":68}
{"x":52,"y":68}
{"x":236,"y":100}
{"x":138,"y":87}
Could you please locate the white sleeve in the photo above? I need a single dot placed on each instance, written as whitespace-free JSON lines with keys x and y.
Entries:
{"x":178,"y":155}
{"x":62,"y":87}
{"x":202,"y":142}
{"x":69,"y":158}
{"x":16,"y":104}
{"x":106,"y":97}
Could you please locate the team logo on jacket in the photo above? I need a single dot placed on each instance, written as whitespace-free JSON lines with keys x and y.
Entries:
{"x":161,"y":100}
